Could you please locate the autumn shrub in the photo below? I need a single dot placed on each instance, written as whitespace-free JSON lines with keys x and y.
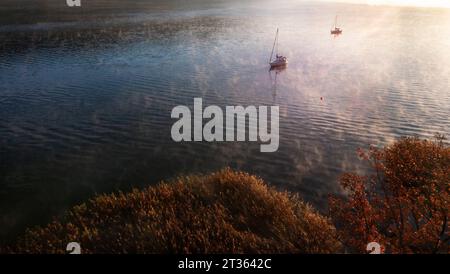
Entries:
{"x":403,"y":205}
{"x":224,"y":212}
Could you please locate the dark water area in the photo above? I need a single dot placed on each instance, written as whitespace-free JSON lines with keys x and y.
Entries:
{"x":86,"y":95}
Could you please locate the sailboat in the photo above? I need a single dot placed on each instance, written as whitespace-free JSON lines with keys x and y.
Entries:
{"x":336,"y":30}
{"x":279,"y":60}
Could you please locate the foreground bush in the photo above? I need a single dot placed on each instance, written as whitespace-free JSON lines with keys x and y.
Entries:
{"x":404,"y":205}
{"x":225,"y":212}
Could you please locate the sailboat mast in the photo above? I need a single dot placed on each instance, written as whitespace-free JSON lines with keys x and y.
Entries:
{"x":277,"y":43}
{"x":274,"y":43}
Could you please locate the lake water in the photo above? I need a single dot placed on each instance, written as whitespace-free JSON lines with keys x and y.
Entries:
{"x":86,"y":95}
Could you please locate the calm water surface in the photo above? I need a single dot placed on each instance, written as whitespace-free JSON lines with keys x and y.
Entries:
{"x":86,"y":96}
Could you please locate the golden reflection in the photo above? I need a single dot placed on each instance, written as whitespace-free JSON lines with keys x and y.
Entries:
{"x":411,"y":3}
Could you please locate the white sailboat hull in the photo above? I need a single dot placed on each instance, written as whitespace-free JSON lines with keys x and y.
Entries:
{"x":279,"y":62}
{"x":336,"y":31}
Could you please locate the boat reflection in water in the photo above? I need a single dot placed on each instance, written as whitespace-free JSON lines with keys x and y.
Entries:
{"x":273,"y":74}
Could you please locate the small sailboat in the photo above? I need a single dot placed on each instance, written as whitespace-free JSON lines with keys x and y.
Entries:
{"x":279,"y":60}
{"x":336,"y":30}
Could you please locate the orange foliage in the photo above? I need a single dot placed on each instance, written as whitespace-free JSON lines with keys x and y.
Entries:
{"x":403,"y":205}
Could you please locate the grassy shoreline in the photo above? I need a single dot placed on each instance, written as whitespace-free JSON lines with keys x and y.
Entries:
{"x":223,"y":212}
{"x":405,"y":207}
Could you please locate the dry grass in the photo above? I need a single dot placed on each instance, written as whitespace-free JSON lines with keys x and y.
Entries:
{"x":224,"y":212}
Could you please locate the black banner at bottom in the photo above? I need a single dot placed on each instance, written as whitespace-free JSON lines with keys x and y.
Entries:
{"x":228,"y":263}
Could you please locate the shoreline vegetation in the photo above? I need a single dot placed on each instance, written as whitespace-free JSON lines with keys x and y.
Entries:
{"x":224,"y":212}
{"x":403,"y":205}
